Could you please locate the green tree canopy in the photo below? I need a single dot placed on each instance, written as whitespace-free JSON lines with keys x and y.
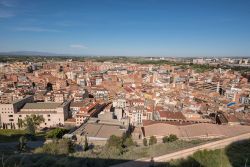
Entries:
{"x":169,"y":138}
{"x":32,"y":122}
{"x":57,"y":133}
{"x":114,"y":141}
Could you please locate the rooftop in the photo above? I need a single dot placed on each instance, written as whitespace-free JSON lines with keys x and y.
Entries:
{"x":41,"y":105}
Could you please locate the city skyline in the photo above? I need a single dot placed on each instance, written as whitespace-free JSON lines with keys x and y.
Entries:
{"x":127,"y":28}
{"x":121,"y":83}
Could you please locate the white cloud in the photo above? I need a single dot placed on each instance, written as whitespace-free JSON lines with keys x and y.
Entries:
{"x":78,"y":46}
{"x":8,"y":3}
{"x":35,"y":29}
{"x":6,"y":8}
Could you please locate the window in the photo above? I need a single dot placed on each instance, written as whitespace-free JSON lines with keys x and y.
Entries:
{"x":48,"y":115}
{"x":48,"y":119}
{"x":20,"y":115}
{"x":10,"y":115}
{"x":11,"y":120}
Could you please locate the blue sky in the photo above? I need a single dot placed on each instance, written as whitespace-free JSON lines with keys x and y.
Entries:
{"x":127,"y":27}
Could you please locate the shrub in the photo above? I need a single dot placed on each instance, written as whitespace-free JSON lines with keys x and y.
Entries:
{"x":152,"y":140}
{"x":56,"y":133}
{"x":169,"y":138}
{"x":145,"y":142}
{"x":111,"y":152}
{"x":165,"y":139}
{"x":114,"y":141}
{"x":172,"y":138}
{"x":22,"y":145}
{"x":128,"y":142}
{"x":120,"y":143}
{"x":56,"y":147}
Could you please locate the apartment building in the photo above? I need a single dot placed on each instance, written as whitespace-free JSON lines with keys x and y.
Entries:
{"x":54,"y":114}
{"x":8,"y":111}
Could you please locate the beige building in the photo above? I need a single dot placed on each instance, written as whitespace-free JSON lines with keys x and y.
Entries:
{"x":54,"y":114}
{"x":8,"y":111}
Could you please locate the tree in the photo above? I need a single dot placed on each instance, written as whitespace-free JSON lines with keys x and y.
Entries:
{"x":22,"y":145}
{"x":114,"y":141}
{"x":145,"y":142}
{"x":86,"y":144}
{"x":172,"y":138}
{"x":56,"y":147}
{"x":32,"y":122}
{"x":19,"y":123}
{"x":30,"y":127}
{"x":165,"y":139}
{"x":169,"y":138}
{"x":4,"y":127}
{"x":128,"y":142}
{"x":152,"y":140}
{"x":56,"y":133}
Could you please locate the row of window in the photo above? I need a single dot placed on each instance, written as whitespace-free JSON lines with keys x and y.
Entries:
{"x":6,"y":112}
{"x":47,"y":115}
{"x":6,"y":108}
{"x":19,"y":116}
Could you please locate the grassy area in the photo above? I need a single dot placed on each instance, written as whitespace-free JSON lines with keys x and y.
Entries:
{"x":139,"y":152}
{"x":200,"y":68}
{"x":13,"y":135}
{"x":105,"y":155}
{"x":10,"y":135}
{"x":160,"y":149}
{"x":234,"y":155}
{"x":215,"y":158}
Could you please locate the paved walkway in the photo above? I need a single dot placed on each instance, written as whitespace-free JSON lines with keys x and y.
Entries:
{"x":183,"y":153}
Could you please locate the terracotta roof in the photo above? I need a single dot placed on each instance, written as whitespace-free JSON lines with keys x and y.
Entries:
{"x":231,"y":118}
{"x":171,"y":115}
{"x":79,"y":104}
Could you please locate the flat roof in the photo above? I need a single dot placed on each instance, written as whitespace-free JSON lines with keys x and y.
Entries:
{"x":100,"y":130}
{"x":41,"y":105}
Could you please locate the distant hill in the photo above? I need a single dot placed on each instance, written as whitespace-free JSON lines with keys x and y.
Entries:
{"x":31,"y":53}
